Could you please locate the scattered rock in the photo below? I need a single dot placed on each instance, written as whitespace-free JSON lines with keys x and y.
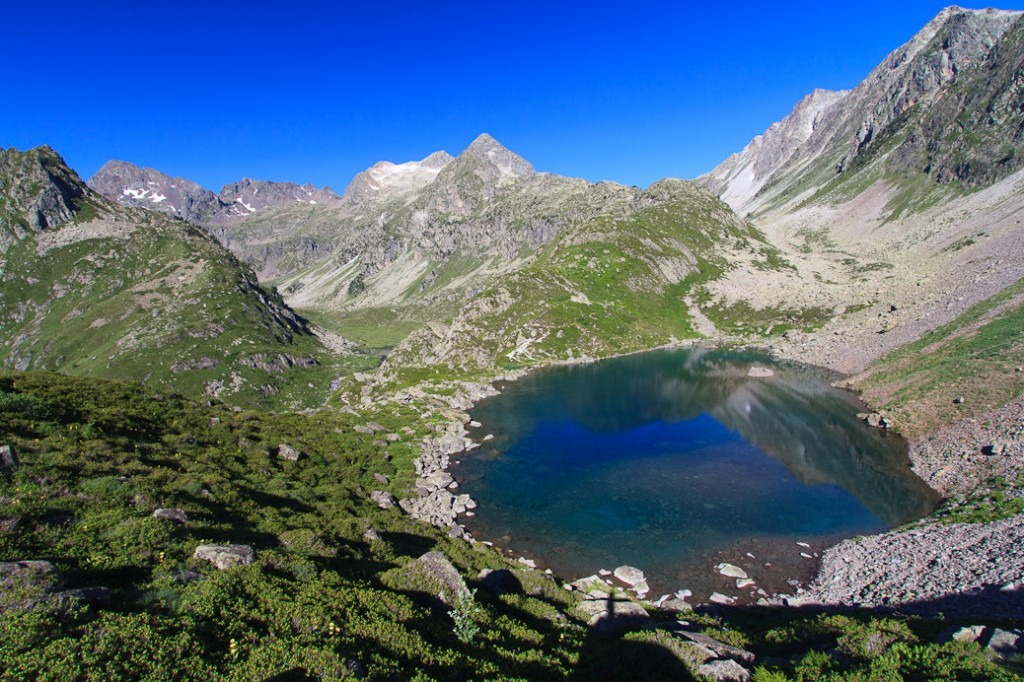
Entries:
{"x":609,"y":615}
{"x":731,"y":571}
{"x":721,"y":649}
{"x":677,"y":605}
{"x":383,"y":499}
{"x":629,"y":575}
{"x":998,"y":447}
{"x":743,"y":583}
{"x":719,"y":598}
{"x":444,"y":577}
{"x":959,"y":400}
{"x":724,"y":671}
{"x":184,"y":576}
{"x":591,"y":582}
{"x":500,"y":581}
{"x":8,"y":460}
{"x":285,"y":451}
{"x":760,"y":372}
{"x":226,"y":556}
{"x":371,"y":534}
{"x":381,"y":478}
{"x":173,"y":514}
{"x":1006,"y":643}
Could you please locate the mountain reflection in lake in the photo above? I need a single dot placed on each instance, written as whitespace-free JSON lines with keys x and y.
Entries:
{"x":655,"y":459}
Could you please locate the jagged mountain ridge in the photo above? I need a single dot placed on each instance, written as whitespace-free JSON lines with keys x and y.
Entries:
{"x":739,"y":178}
{"x":95,"y":288}
{"x":895,"y":112}
{"x":131,"y":185}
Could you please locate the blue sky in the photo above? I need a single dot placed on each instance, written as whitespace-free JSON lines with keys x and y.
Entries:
{"x":317,"y":91}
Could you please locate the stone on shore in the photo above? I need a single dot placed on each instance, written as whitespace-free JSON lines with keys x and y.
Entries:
{"x":629,"y":575}
{"x":731,"y":571}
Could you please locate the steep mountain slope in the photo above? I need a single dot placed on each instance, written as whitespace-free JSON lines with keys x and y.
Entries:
{"x":902,"y":208}
{"x":739,"y":178}
{"x":958,"y":74}
{"x":89,"y":287}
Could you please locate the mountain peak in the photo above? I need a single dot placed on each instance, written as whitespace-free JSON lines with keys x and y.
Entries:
{"x":384,"y":177}
{"x":488,"y":150}
{"x":39,"y":191}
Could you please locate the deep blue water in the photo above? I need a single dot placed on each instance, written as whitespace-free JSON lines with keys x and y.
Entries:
{"x":658,"y":460}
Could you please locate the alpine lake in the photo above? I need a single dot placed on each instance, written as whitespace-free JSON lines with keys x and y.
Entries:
{"x":673,"y":461}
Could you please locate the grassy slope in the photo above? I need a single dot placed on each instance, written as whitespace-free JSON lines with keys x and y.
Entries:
{"x":137,"y":307}
{"x":975,"y":356}
{"x":321,"y":601}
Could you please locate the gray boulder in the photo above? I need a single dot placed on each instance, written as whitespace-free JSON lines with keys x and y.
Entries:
{"x":285,"y":451}
{"x":724,"y":671}
{"x":41,"y":575}
{"x":174,"y":515}
{"x":443,"y":577}
{"x":226,"y":556}
{"x":1006,"y":643}
{"x":383,"y":499}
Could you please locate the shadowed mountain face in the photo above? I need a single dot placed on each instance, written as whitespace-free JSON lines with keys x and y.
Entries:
{"x":945,"y":104}
{"x":90,"y":287}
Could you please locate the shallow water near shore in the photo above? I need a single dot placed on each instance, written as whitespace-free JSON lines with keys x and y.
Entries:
{"x":673,"y":460}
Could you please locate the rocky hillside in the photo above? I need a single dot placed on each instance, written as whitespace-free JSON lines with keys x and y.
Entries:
{"x":740,"y":177}
{"x":93,"y":288}
{"x":946,"y":105}
{"x":608,"y":285}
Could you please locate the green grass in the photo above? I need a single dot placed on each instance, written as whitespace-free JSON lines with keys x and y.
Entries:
{"x":975,"y":356}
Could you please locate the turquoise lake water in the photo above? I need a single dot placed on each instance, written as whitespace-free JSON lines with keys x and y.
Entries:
{"x":664,"y":459}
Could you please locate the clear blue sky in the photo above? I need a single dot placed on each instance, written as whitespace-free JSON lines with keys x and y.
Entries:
{"x":317,"y":91}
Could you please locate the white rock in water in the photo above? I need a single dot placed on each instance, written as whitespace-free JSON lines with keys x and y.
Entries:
{"x":730,"y":571}
{"x":760,"y":372}
{"x":719,"y":598}
{"x":629,"y":575}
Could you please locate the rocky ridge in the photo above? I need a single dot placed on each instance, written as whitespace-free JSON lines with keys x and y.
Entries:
{"x":130,"y":185}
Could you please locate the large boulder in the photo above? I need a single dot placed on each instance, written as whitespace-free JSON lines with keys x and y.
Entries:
{"x":442,"y":577}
